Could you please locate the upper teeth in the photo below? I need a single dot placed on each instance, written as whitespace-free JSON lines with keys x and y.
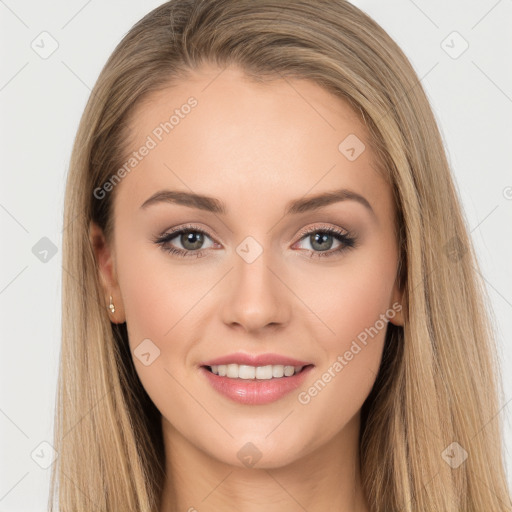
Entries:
{"x":242,"y":371}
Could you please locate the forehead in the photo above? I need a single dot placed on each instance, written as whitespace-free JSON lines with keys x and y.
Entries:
{"x":220,"y":133}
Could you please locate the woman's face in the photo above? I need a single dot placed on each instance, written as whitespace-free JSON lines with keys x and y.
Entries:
{"x":260,"y":275}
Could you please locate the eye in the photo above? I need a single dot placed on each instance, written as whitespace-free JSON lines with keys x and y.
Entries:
{"x":190,"y":238}
{"x":322,"y":239}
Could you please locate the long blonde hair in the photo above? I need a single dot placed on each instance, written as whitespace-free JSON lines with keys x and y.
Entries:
{"x":439,"y":381}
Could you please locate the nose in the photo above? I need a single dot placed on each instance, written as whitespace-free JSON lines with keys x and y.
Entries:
{"x":257,"y":298}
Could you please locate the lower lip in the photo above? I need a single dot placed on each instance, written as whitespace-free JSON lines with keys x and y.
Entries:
{"x":254,"y":391}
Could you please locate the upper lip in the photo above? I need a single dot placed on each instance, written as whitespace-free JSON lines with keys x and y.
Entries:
{"x":255,"y":360}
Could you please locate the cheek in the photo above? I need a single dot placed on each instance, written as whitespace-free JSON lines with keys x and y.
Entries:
{"x":351,"y":300}
{"x":358,"y":300}
{"x":157,"y":293}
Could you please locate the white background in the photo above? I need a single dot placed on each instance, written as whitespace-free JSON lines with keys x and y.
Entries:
{"x":41,"y":101}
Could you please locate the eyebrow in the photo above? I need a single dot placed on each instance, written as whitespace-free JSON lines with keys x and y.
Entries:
{"x":294,"y":207}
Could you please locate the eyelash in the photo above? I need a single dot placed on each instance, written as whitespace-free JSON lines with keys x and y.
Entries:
{"x":346,"y":239}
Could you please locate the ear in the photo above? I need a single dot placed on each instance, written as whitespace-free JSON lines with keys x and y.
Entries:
{"x":397,"y":305}
{"x":105,"y":261}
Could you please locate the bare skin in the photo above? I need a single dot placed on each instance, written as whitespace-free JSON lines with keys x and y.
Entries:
{"x":255,"y":147}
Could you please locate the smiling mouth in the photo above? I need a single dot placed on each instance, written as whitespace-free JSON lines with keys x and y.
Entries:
{"x":247,"y":372}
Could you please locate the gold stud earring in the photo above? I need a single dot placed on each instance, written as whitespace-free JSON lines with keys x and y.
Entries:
{"x":111,"y":305}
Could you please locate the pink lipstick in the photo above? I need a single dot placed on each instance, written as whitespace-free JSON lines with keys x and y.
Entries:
{"x":255,"y":379}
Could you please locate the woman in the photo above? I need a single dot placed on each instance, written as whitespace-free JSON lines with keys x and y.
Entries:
{"x":270,"y":295}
